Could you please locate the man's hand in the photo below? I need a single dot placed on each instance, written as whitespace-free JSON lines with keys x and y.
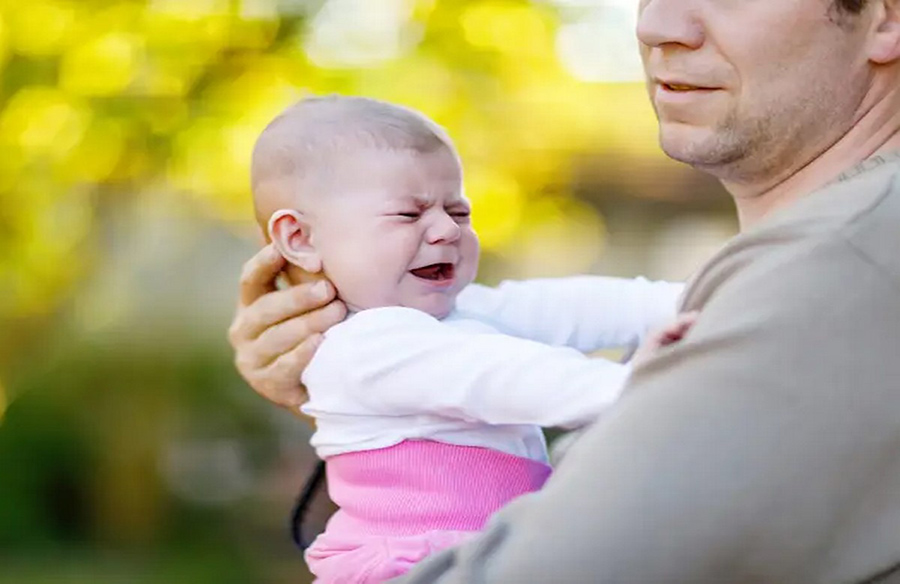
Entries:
{"x":275,"y":333}
{"x":667,"y":335}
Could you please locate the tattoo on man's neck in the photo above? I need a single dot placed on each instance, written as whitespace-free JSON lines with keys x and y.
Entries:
{"x":867,"y":165}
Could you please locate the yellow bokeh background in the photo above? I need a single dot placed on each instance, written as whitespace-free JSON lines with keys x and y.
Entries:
{"x":129,"y":448}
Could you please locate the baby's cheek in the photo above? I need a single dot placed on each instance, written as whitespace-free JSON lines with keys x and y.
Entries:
{"x":354,"y":286}
{"x":467,"y":274}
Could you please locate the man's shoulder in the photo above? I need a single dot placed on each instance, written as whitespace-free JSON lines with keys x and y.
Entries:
{"x":845,"y":231}
{"x":875,"y":233}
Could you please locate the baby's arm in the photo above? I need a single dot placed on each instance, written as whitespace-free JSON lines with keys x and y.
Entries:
{"x":583,"y":312}
{"x":399,"y":361}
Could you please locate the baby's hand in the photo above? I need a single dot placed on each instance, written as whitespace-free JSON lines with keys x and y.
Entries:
{"x":668,"y":335}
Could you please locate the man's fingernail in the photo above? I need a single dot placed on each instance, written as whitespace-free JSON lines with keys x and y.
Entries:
{"x":320,"y":289}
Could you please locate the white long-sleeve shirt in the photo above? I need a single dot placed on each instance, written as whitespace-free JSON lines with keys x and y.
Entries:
{"x":508,"y":361}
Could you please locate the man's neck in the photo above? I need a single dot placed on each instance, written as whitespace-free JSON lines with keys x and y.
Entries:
{"x":876,"y":133}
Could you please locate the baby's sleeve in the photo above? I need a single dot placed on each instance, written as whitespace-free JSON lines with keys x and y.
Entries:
{"x":399,"y":361}
{"x":587,"y":313}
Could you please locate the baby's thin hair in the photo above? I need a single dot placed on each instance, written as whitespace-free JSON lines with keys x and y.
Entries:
{"x":311,"y":137}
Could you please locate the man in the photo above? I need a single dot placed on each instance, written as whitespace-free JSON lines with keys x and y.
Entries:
{"x":765,"y":447}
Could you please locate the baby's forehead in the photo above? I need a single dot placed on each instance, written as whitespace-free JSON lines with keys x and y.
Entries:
{"x":422,"y":178}
{"x":314,"y":148}
{"x":345,"y":124}
{"x":322,"y":146}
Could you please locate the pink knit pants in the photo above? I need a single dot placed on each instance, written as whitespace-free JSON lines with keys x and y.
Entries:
{"x":399,"y":505}
{"x":372,"y":559}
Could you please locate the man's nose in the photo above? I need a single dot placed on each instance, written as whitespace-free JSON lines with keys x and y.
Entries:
{"x":664,"y":23}
{"x":443,"y":229}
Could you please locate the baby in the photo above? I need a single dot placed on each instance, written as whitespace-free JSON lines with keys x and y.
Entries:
{"x":430,"y":396}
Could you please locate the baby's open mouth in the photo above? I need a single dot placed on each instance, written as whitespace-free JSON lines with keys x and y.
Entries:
{"x":435,"y":272}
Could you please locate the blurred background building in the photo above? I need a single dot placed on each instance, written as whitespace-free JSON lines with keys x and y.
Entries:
{"x":130,"y":450}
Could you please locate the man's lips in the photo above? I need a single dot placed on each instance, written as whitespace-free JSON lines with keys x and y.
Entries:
{"x":676,"y":93}
{"x":682,"y":86}
{"x":439,"y":272}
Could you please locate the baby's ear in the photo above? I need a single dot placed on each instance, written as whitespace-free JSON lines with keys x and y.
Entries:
{"x":290,"y":232}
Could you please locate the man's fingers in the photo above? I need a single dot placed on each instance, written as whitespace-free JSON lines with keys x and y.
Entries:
{"x":295,"y":361}
{"x":276,"y":332}
{"x":277,"y":340}
{"x":259,"y":274}
{"x":290,"y":366}
{"x":250,"y":321}
{"x":280,"y":306}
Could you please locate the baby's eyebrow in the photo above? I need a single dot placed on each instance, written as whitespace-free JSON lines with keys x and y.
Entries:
{"x":407,"y":199}
{"x":458,"y":203}
{"x":424,"y":200}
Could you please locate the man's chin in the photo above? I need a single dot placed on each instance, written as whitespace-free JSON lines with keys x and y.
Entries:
{"x":680,"y":142}
{"x":698,"y":148}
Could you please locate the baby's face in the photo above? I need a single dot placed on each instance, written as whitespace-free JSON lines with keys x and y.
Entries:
{"x":397,"y":232}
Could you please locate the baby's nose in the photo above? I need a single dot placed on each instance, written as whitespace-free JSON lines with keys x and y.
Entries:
{"x":443,"y":230}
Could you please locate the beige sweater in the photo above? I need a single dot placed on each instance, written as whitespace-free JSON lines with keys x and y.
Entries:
{"x":764,"y":448}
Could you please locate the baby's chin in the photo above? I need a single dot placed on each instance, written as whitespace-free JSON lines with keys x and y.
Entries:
{"x":442,"y":313}
{"x":439,"y":305}
{"x":437,"y":309}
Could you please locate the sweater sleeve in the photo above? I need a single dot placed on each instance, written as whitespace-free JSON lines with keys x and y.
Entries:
{"x":583,"y":312}
{"x":399,"y":361}
{"x":762,"y":448}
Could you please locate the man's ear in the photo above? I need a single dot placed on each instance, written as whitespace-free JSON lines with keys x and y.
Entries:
{"x":291,"y":233}
{"x":885,"y":44}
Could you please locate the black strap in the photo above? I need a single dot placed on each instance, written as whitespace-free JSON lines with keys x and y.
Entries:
{"x":310,"y":488}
